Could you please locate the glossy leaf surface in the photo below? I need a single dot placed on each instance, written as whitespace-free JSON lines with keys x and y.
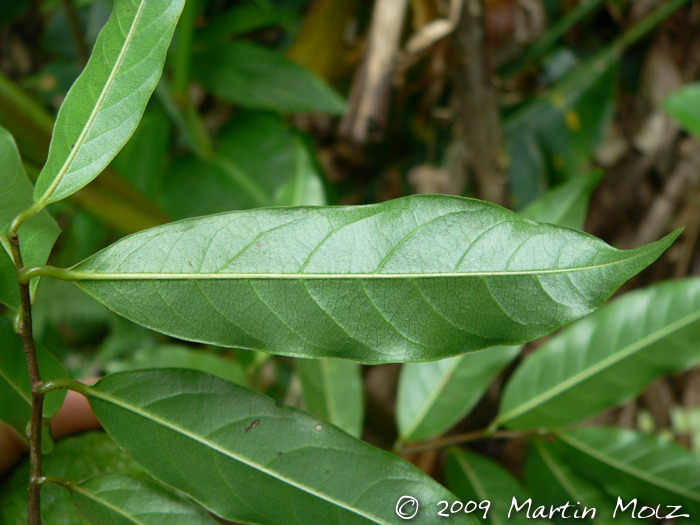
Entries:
{"x":433,"y":397}
{"x":245,"y":459}
{"x":80,"y":457}
{"x":475,"y":478}
{"x":15,"y":388}
{"x":332,"y":391}
{"x":259,"y":78}
{"x":553,"y":482}
{"x":607,"y":358}
{"x":567,"y":204}
{"x":37,"y":235}
{"x":104,"y":106}
{"x":121,"y":499}
{"x":633,"y":465}
{"x":415,"y":279}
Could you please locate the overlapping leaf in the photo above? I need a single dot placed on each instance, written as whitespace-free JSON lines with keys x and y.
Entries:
{"x":122,"y":499}
{"x":415,"y":279}
{"x":631,"y":465}
{"x":245,"y":459}
{"x":105,"y":104}
{"x":607,"y":358}
{"x":553,"y":482}
{"x":37,"y":235}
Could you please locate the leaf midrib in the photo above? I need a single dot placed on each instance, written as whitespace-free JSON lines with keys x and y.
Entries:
{"x":599,"y":367}
{"x":91,"y":391}
{"x":76,"y":488}
{"x":95,"y":110}
{"x":627,"y":469}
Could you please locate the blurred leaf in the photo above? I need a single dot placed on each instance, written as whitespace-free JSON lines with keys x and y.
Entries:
{"x":567,"y":204}
{"x":332,"y":391}
{"x":36,"y":235}
{"x":553,"y":138}
{"x":684,"y":106}
{"x":242,"y":19}
{"x":413,"y":279}
{"x":473,"y":477}
{"x":433,"y":397}
{"x":606,"y":358}
{"x":11,"y":10}
{"x":142,"y":160}
{"x":254,"y":76}
{"x":79,"y":457}
{"x":104,"y":106}
{"x":259,"y":148}
{"x":178,"y":356}
{"x":122,"y":499}
{"x":245,"y":459}
{"x":631,"y":465}
{"x":15,"y":387}
{"x":553,"y":482}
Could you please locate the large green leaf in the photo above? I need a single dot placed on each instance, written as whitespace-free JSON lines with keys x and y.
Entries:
{"x":567,"y":204}
{"x":123,"y":499}
{"x":104,"y":106}
{"x":415,"y":279}
{"x":475,"y":478}
{"x":553,"y":482}
{"x":37,"y":235}
{"x":259,"y":78}
{"x":433,"y":397}
{"x":245,"y":459}
{"x":15,"y":387}
{"x":332,"y":391}
{"x":632,"y":465}
{"x":684,"y":106}
{"x":607,"y":358}
{"x":79,"y":457}
{"x":261,"y":159}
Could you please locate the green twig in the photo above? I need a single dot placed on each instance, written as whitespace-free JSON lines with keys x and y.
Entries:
{"x":183,"y":52}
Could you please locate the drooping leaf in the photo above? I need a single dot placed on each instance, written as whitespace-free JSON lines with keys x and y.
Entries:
{"x":632,"y":465}
{"x":683,"y":106}
{"x":122,"y":499}
{"x":79,"y":457}
{"x":15,"y":387}
{"x":245,"y":459}
{"x":332,"y":391}
{"x":473,"y":477}
{"x":433,"y":397}
{"x":36,"y":235}
{"x":104,"y":106}
{"x":176,"y":356}
{"x":242,"y":19}
{"x":255,"y":77}
{"x":567,"y":204}
{"x":607,"y":358}
{"x":415,"y":279}
{"x":553,"y":482}
{"x":260,"y":158}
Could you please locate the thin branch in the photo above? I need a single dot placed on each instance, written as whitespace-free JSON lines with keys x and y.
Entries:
{"x":467,"y":437}
{"x":35,"y":424}
{"x":76,"y":32}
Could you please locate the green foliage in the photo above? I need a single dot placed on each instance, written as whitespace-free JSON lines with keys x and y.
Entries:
{"x":247,"y":460}
{"x":683,"y":106}
{"x":354,"y":274}
{"x":105,"y":104}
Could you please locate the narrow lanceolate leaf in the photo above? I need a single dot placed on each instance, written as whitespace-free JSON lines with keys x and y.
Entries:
{"x":475,"y":478}
{"x":104,"y":106}
{"x":332,"y":391}
{"x":632,"y":465}
{"x":15,"y":389}
{"x":122,"y":499}
{"x":433,"y":397}
{"x":607,"y":358}
{"x":37,"y":235}
{"x":415,"y":279}
{"x":247,"y":460}
{"x":553,"y":482}
{"x":567,"y":204}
